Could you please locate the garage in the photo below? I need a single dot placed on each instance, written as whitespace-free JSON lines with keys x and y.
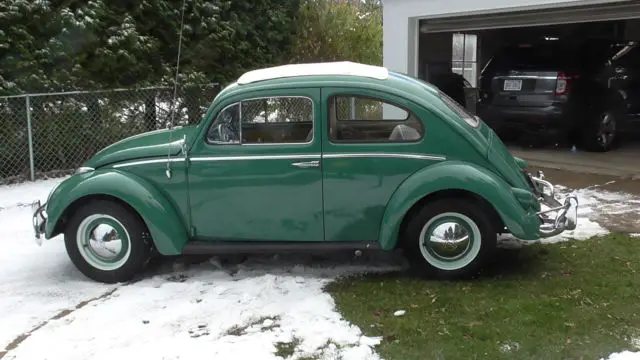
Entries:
{"x":429,"y":39}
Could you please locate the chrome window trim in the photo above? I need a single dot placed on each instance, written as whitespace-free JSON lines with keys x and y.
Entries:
{"x":239,"y":103}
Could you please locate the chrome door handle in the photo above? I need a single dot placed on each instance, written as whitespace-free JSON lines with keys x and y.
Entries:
{"x":307,"y":164}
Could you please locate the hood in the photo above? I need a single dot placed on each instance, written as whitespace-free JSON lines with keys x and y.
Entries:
{"x":146,"y":145}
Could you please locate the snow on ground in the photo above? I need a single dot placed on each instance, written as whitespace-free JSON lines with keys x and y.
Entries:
{"x":625,"y":355}
{"x":181,"y":309}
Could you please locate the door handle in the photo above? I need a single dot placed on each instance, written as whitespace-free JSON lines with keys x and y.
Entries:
{"x":307,"y":164}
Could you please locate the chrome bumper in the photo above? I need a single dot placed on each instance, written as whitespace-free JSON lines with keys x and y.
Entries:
{"x":39,"y":219}
{"x":566,"y":211}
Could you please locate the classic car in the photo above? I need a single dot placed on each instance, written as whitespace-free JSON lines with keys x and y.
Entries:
{"x":306,"y":157}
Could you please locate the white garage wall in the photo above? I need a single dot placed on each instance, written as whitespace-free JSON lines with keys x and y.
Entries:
{"x":400,"y":21}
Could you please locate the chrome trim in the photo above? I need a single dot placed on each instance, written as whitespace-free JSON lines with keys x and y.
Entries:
{"x":383,"y":155}
{"x":255,"y":157}
{"x":38,"y":220}
{"x":566,"y":210}
{"x":144,"y":162}
{"x":307,"y":164}
{"x":83,"y":169}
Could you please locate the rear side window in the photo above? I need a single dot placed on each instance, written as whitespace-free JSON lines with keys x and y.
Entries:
{"x":354,"y":118}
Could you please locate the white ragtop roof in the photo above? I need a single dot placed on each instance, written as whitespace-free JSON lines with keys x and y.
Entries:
{"x":325,"y":68}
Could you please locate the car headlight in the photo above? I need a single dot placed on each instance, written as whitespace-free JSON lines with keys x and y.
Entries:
{"x":83,"y":169}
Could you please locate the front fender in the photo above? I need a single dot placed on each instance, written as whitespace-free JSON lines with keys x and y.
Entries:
{"x":164,"y":223}
{"x":457,"y":175}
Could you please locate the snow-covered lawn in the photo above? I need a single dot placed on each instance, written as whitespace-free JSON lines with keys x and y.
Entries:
{"x":181,"y":310}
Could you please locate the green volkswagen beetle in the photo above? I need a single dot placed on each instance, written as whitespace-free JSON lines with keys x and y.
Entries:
{"x":306,"y":157}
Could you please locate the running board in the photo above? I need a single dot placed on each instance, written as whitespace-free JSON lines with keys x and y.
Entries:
{"x":251,"y":247}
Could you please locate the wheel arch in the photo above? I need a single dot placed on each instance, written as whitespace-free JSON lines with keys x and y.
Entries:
{"x":457,"y":179}
{"x":496,"y":220}
{"x":166,"y":227}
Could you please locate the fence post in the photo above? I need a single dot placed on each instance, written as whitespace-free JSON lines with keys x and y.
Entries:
{"x":31,"y":160}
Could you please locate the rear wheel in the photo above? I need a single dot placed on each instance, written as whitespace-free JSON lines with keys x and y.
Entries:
{"x":449,"y":239}
{"x":107,"y":241}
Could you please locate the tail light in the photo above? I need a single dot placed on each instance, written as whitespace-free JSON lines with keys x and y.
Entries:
{"x":564,"y":83}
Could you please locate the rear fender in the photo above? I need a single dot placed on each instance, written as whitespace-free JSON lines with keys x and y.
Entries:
{"x":461,"y":176}
{"x":164,"y":223}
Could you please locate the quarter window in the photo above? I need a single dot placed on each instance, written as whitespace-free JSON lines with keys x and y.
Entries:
{"x":366,"y":119}
{"x":226,"y":127}
{"x":272,"y":120}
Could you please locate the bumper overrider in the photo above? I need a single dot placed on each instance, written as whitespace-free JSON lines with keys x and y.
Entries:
{"x":566,"y":210}
{"x":38,"y":220}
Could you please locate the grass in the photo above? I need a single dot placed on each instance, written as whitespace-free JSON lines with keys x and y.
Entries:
{"x":574,"y":300}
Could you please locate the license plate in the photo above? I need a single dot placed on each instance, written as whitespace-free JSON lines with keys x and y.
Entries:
{"x":513,"y":85}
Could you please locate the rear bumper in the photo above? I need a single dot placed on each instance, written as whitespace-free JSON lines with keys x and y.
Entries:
{"x":552,"y":116}
{"x":565,"y":210}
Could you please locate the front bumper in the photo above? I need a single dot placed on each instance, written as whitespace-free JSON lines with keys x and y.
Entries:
{"x":566,"y":211}
{"x":39,"y":220}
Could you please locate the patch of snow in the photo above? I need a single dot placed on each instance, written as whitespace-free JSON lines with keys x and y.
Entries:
{"x":178,"y":310}
{"x":625,"y":355}
{"x":509,"y":347}
{"x":594,"y":206}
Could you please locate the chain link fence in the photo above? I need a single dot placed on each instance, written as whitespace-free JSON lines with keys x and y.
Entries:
{"x":48,"y":135}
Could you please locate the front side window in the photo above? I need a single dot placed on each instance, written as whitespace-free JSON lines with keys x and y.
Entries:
{"x":366,"y":119}
{"x":282,"y":120}
{"x":269,"y":120}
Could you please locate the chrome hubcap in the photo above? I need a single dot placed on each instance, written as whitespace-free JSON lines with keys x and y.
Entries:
{"x":103,"y":242}
{"x":450,"y":241}
{"x":607,"y":129}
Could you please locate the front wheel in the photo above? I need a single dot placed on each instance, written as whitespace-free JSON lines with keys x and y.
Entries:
{"x":107,"y":241}
{"x":449,"y":239}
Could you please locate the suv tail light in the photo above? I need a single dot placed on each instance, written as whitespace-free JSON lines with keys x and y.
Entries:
{"x":564,"y":83}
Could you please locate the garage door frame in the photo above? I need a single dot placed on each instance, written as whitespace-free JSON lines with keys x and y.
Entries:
{"x":509,"y":18}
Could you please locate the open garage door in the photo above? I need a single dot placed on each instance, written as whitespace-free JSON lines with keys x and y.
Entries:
{"x":575,"y":14}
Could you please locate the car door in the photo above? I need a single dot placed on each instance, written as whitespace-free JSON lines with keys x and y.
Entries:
{"x":255,"y":174}
{"x":373,"y":142}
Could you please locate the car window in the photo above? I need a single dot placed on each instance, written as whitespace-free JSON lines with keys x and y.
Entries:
{"x":225,"y":129}
{"x":269,"y":120}
{"x":367,"y":119}
{"x":461,"y":111}
{"x":277,"y":120}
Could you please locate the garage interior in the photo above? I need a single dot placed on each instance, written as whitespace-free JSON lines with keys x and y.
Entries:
{"x":465,"y":44}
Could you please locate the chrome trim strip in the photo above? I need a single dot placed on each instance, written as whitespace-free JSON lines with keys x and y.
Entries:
{"x":255,"y":157}
{"x":288,"y":156}
{"x":144,"y":162}
{"x":383,"y":155}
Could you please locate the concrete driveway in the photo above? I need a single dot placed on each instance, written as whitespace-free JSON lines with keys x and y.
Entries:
{"x":622,"y":163}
